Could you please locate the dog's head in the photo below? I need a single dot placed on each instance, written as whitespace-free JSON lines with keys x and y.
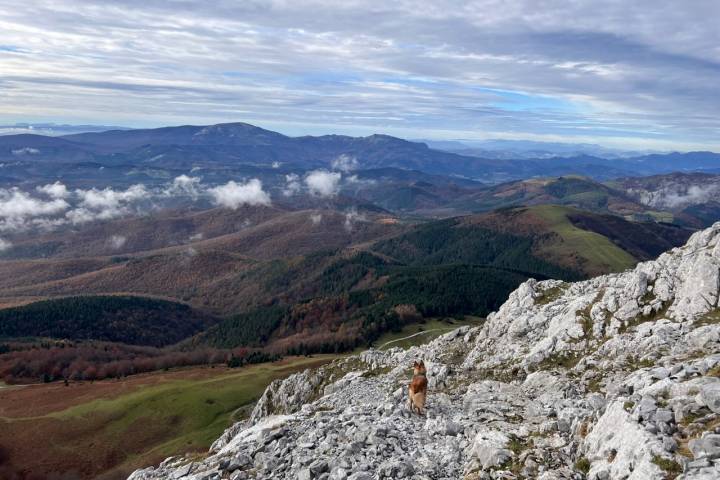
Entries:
{"x":419,"y":368}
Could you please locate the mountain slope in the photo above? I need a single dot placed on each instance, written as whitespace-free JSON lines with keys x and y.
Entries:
{"x":576,"y":191}
{"x":132,"y":320}
{"x":335,"y":301}
{"x":310,"y":281}
{"x":568,"y":238}
{"x":613,"y":377}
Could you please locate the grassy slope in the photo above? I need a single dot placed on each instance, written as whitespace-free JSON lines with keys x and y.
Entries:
{"x":431,"y":329}
{"x":598,"y":251}
{"x":136,"y":424}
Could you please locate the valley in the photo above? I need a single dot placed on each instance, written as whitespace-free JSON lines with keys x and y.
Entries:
{"x":100,"y":429}
{"x":106,"y":429}
{"x":164,"y":277}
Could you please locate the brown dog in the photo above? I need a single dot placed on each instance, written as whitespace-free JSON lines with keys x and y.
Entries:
{"x":418,"y":387}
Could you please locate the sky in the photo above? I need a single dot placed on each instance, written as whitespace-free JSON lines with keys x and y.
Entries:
{"x":633,"y":75}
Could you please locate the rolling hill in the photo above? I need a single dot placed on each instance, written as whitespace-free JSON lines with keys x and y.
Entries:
{"x":458,"y":266}
{"x":322,"y":280}
{"x":576,"y":191}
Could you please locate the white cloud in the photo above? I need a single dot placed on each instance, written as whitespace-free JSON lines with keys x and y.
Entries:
{"x":184,"y":185}
{"x":21,"y":211}
{"x":233,"y":194}
{"x":345,"y":163}
{"x":352,"y":217}
{"x":355,"y":180}
{"x":679,"y":196}
{"x":322,"y":183}
{"x":110,"y":199}
{"x":431,"y":76}
{"x":292,"y":185}
{"x":25,"y":151}
{"x":54,"y":190}
{"x":275,"y":164}
{"x":4,"y":245}
{"x":106,"y":204}
{"x":117,"y":242}
{"x":18,"y":210}
{"x":316,"y":218}
{"x":16,"y":203}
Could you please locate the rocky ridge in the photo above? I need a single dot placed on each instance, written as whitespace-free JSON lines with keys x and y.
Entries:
{"x":617,"y":377}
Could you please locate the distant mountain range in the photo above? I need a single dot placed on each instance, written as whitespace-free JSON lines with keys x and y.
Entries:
{"x":243,"y":149}
{"x":53,"y":129}
{"x":528,"y":149}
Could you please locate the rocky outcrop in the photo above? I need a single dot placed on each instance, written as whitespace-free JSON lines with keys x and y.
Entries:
{"x":614,"y":377}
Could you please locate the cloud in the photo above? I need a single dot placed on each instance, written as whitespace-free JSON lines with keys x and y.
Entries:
{"x":25,"y":151}
{"x":54,"y":205}
{"x":316,"y":218}
{"x":54,"y":190}
{"x":4,"y":245}
{"x":18,"y":209}
{"x":554,"y":70}
{"x":678,"y":195}
{"x":352,"y":217}
{"x":695,"y":194}
{"x":184,"y":185}
{"x":322,"y":183}
{"x":117,"y":242}
{"x":345,"y":163}
{"x":108,"y":198}
{"x":292,"y":185}
{"x":233,"y":195}
{"x":106,"y":204}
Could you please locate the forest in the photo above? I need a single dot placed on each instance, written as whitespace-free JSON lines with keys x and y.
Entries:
{"x":327,"y":302}
{"x":49,"y":361}
{"x":126,"y":319}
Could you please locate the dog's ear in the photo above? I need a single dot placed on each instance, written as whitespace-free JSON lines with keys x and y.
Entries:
{"x":422,"y":363}
{"x":415,"y":364}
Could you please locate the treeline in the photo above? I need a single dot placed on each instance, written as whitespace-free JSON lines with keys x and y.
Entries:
{"x":334,"y":323}
{"x":68,"y":361}
{"x":248,"y":329}
{"x":126,"y":319}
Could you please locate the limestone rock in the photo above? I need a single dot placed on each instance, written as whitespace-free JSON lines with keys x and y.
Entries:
{"x":602,"y":376}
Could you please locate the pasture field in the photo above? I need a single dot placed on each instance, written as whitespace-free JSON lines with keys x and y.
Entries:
{"x":108,"y":428}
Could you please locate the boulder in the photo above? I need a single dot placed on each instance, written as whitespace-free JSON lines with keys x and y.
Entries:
{"x":707,"y":447}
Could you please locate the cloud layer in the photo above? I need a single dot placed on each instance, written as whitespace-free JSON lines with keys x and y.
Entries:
{"x":54,"y":205}
{"x":629,"y":74}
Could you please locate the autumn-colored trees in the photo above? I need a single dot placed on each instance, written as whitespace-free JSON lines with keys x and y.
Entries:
{"x":26,"y":363}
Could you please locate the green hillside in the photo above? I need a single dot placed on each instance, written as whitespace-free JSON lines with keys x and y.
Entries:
{"x":598,"y":251}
